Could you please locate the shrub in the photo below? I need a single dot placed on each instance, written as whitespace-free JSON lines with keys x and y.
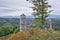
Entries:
{"x":6,"y":30}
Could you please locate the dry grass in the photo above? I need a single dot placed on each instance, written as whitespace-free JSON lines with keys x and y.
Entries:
{"x":4,"y":37}
{"x":35,"y":34}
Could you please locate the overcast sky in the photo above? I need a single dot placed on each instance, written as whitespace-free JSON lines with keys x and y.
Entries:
{"x":18,"y":7}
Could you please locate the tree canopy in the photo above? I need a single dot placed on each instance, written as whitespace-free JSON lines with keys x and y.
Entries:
{"x":40,"y":12}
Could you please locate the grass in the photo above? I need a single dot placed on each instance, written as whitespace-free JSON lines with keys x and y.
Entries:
{"x":35,"y":34}
{"x":4,"y":37}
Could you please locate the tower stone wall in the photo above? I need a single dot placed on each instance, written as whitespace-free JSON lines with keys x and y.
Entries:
{"x":50,"y":25}
{"x":22,"y":23}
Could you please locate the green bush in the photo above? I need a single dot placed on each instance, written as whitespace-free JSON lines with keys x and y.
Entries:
{"x":7,"y":29}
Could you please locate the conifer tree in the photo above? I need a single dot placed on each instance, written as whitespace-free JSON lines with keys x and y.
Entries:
{"x":40,"y":12}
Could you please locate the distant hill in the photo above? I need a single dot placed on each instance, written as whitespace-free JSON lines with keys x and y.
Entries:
{"x":15,"y":16}
{"x":54,"y":16}
{"x":9,"y":16}
{"x":50,"y":16}
{"x":15,"y":20}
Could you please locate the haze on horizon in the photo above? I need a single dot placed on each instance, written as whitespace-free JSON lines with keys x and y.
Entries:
{"x":17,"y":7}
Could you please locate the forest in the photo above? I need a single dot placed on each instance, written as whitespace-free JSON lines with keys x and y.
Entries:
{"x":11,"y":25}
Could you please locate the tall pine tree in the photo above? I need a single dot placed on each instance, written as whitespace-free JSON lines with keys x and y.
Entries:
{"x":40,"y":12}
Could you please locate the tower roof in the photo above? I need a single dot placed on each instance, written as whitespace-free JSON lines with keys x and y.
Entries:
{"x":23,"y":15}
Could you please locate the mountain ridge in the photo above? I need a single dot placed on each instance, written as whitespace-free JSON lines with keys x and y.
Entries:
{"x":50,"y":16}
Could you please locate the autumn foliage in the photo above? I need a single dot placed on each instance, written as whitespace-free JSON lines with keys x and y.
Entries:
{"x":36,"y":34}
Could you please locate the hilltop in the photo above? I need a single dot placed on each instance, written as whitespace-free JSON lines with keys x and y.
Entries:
{"x":35,"y":34}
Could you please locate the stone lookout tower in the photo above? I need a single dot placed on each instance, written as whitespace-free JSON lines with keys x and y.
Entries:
{"x":50,"y":25}
{"x":22,"y":22}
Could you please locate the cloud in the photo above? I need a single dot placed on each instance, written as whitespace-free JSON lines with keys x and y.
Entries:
{"x":12,"y":7}
{"x":17,"y":7}
{"x":55,"y":6}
